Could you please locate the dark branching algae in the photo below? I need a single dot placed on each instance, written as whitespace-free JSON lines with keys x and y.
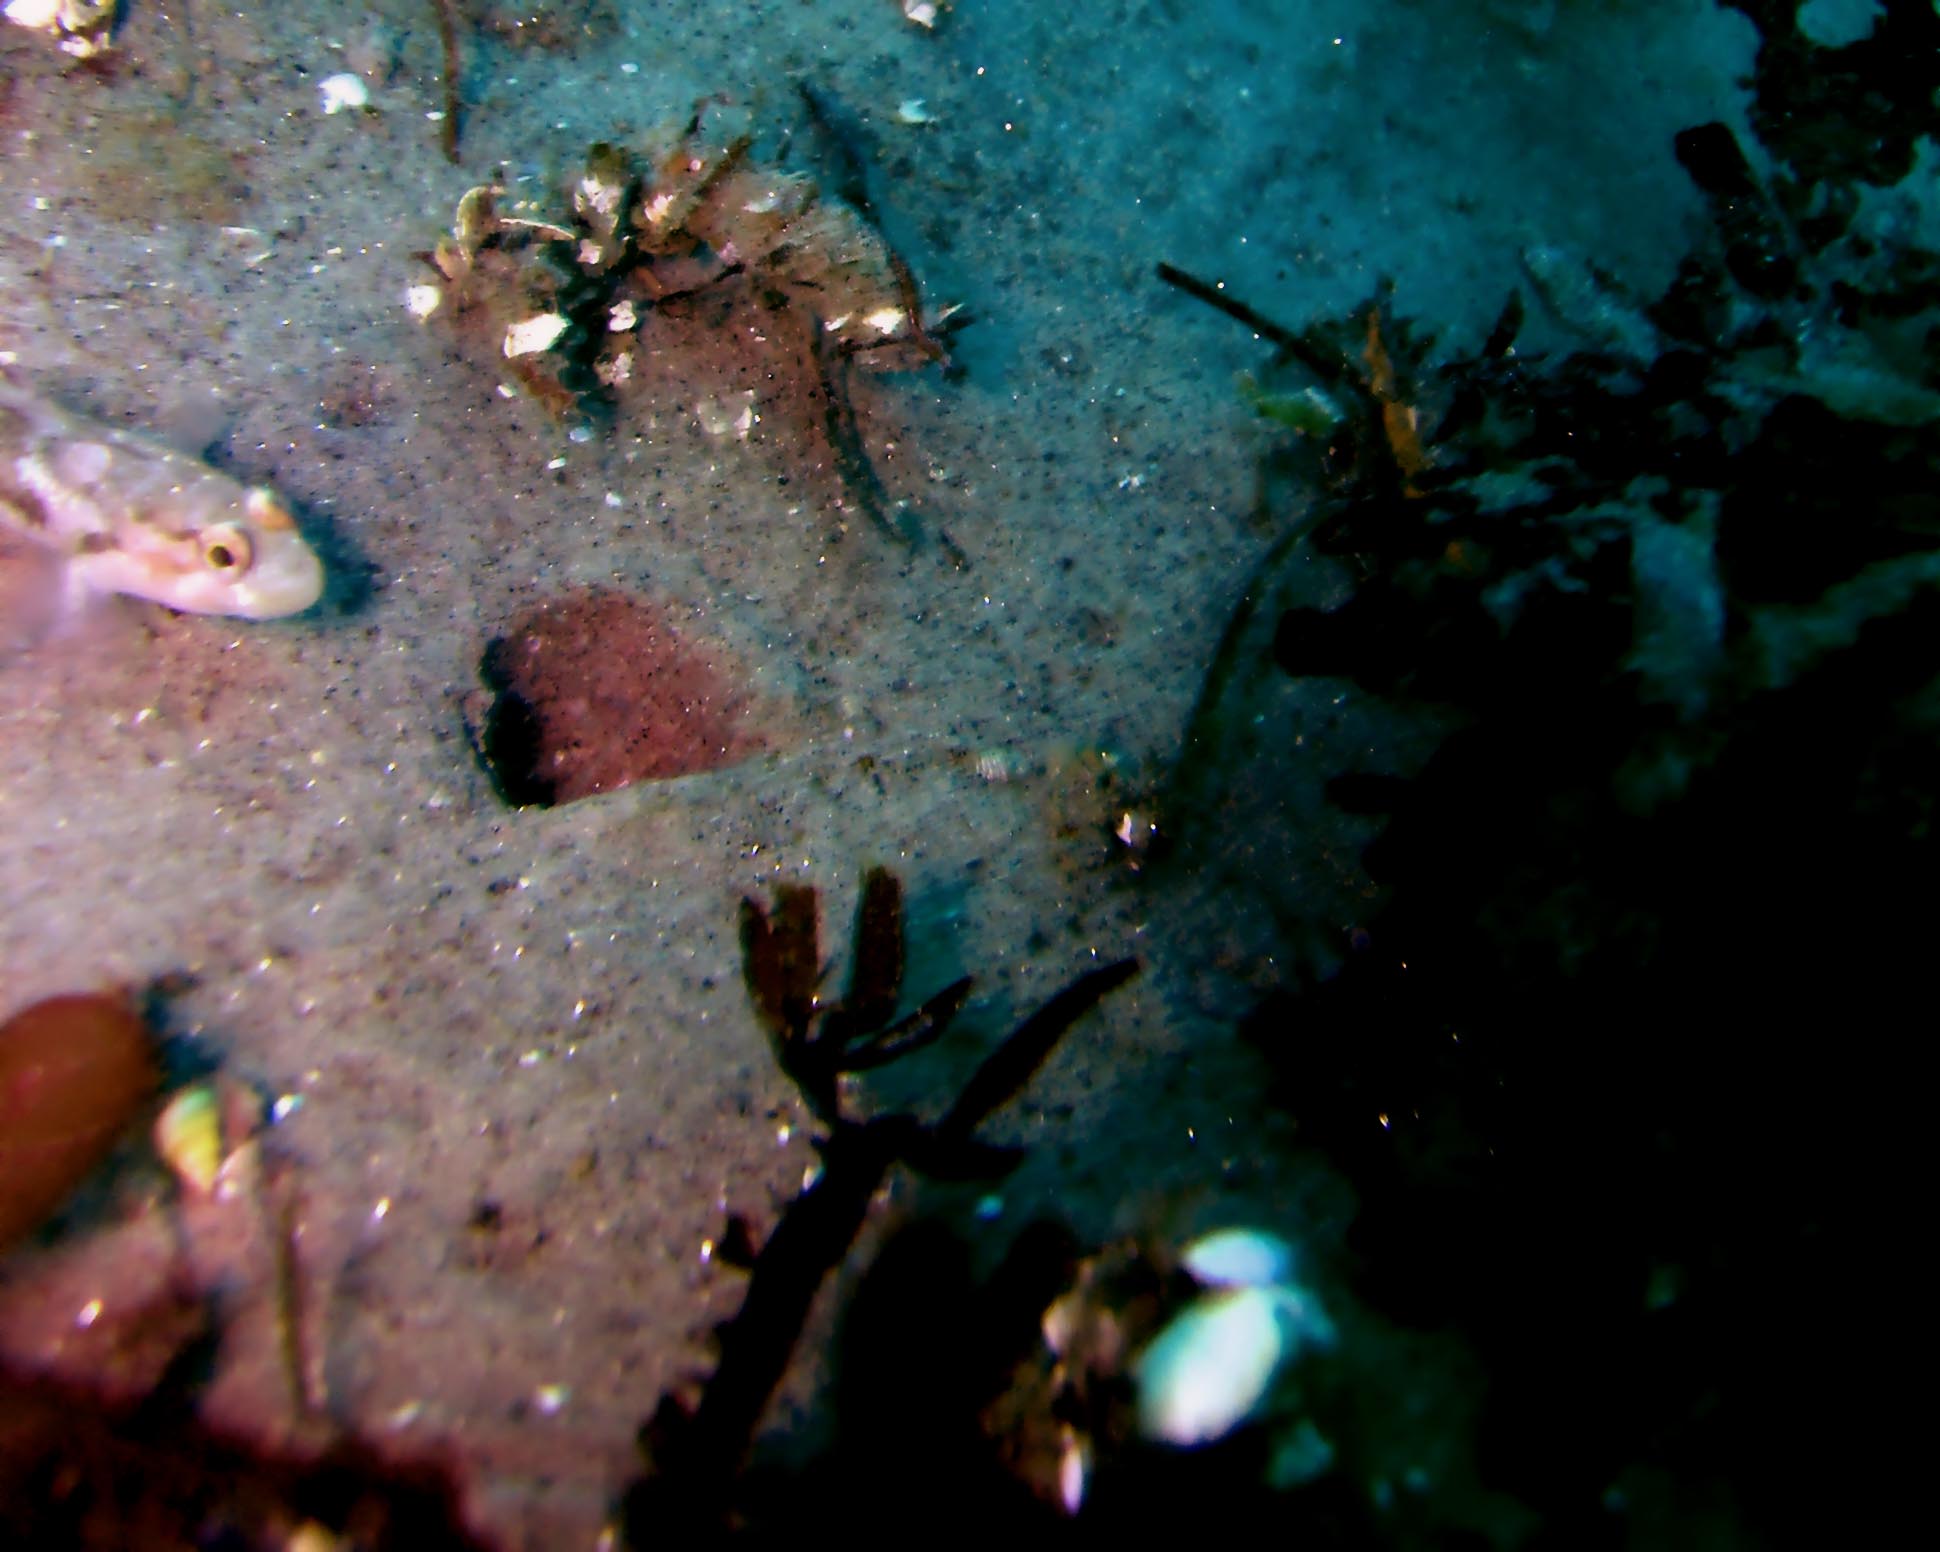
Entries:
{"x":695,"y":1455}
{"x":1652,"y":899}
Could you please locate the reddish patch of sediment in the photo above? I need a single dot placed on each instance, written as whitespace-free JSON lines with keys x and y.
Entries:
{"x":595,"y":691}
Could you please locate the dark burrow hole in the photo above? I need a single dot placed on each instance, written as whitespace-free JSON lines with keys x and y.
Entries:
{"x":593,"y":690}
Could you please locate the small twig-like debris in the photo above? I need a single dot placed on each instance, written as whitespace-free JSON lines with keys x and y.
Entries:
{"x":851,"y":454}
{"x":1328,"y":367}
{"x":1508,"y":324}
{"x":279,"y":1189}
{"x":448,"y":38}
{"x":926,"y":343}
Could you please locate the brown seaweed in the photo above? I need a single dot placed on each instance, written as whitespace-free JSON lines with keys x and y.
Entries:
{"x":696,"y":1454}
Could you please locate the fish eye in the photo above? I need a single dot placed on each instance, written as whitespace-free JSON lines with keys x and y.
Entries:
{"x":227,"y":550}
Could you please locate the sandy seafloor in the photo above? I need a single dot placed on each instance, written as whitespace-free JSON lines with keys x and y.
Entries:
{"x":542,"y":1008}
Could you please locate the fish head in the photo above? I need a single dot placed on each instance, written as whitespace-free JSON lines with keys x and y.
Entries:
{"x":246,"y":561}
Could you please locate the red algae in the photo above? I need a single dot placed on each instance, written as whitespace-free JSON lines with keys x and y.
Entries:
{"x":74,"y":1072}
{"x":595,"y":691}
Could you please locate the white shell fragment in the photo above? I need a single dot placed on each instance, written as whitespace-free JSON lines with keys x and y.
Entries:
{"x":83,"y":28}
{"x":530,"y":335}
{"x":1074,"y":1465}
{"x":1210,"y":1368}
{"x":1238,"y":1258}
{"x":1208,"y":1371}
{"x":720,"y":418}
{"x":343,"y":91}
{"x":33,"y":13}
{"x":422,"y":301}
